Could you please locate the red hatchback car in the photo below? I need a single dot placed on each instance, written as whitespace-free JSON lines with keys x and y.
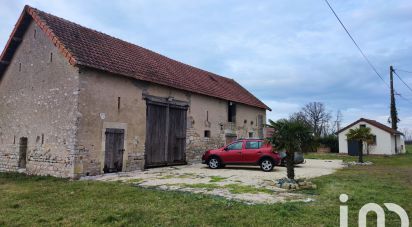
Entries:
{"x":244,"y":152}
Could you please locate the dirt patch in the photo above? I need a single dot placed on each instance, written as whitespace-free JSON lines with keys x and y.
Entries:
{"x":243,"y":183}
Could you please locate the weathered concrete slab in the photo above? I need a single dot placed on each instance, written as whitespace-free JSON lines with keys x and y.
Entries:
{"x":243,"y":183}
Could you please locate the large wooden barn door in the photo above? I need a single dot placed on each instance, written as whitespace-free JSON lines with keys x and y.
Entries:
{"x":165,"y":133}
{"x":177,"y":135}
{"x":155,"y":134}
{"x":114,"y":149}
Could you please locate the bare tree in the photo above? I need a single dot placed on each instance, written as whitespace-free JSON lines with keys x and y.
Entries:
{"x":299,"y":116}
{"x":316,"y":115}
{"x":407,"y":134}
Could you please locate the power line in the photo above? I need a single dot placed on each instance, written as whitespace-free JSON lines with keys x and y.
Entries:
{"x":402,"y":81}
{"x":406,"y":99}
{"x":403,"y":97}
{"x":366,"y":58}
{"x":360,"y":50}
{"x":406,"y":71}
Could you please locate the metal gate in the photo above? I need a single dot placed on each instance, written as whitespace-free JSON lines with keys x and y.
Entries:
{"x":165,"y":132}
{"x":114,"y":149}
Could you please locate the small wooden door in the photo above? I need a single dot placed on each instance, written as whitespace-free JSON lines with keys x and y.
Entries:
{"x":114,"y":149}
{"x":165,"y":134}
{"x":22,"y":152}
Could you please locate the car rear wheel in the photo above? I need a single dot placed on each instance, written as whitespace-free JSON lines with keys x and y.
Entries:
{"x":214,"y":163}
{"x":267,"y":165}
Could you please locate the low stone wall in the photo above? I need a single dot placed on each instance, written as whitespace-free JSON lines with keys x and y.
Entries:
{"x":9,"y":158}
{"x":323,"y":150}
{"x":40,"y":160}
{"x":135,"y":161}
{"x":196,"y":145}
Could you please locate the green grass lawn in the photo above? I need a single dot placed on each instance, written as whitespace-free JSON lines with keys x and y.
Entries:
{"x":28,"y":201}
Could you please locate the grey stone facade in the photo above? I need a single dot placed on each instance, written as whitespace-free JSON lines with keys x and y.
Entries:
{"x":39,"y":97}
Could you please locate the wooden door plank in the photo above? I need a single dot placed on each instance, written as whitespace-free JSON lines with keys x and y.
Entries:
{"x":155,"y":134}
{"x":114,"y":145}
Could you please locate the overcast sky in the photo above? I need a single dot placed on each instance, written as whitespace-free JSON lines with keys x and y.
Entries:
{"x":287,"y":53}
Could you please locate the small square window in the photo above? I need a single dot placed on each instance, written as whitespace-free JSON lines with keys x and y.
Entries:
{"x":207,"y":133}
{"x":374,"y":140}
{"x":251,"y":134}
{"x":362,"y":126}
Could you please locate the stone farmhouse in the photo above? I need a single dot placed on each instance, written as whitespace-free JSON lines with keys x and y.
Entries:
{"x":77,"y":102}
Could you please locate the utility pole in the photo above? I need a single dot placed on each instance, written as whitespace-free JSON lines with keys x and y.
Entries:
{"x":394,"y":112}
{"x":338,"y":120}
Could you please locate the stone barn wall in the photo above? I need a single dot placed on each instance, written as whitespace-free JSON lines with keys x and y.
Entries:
{"x":38,"y":101}
{"x":99,"y":106}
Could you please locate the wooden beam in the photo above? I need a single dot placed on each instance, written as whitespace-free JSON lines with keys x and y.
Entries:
{"x":167,"y":134}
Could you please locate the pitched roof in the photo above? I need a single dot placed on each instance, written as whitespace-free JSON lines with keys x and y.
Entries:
{"x":374,"y":123}
{"x":85,"y":47}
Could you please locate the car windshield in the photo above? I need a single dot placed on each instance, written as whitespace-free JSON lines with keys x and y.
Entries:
{"x":235,"y":146}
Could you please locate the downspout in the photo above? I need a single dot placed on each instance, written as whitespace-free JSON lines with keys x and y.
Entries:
{"x":396,"y":145}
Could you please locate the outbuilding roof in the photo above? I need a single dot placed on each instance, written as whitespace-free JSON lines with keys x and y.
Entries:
{"x":374,"y":123}
{"x":85,"y":47}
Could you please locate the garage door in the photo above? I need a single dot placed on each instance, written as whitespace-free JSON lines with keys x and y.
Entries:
{"x":165,"y":133}
{"x":353,"y":147}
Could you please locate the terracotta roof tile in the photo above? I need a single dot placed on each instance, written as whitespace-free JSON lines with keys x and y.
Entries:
{"x":86,"y":47}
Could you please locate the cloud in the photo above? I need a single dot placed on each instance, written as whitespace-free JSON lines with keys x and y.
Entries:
{"x":281,"y":109}
{"x":287,"y":53}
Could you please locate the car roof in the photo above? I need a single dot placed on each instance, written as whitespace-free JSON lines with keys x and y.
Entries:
{"x":248,"y":139}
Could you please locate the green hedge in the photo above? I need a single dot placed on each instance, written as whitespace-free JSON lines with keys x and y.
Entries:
{"x":329,"y":141}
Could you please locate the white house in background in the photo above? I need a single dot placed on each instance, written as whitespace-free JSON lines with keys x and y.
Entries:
{"x":385,"y":139}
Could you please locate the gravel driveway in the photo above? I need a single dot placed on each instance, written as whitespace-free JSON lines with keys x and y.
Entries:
{"x":243,"y":183}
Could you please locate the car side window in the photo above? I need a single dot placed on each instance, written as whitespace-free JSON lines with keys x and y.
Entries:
{"x":253,"y":144}
{"x":235,"y":146}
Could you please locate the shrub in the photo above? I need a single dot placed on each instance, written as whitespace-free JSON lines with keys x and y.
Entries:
{"x":330,"y":141}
